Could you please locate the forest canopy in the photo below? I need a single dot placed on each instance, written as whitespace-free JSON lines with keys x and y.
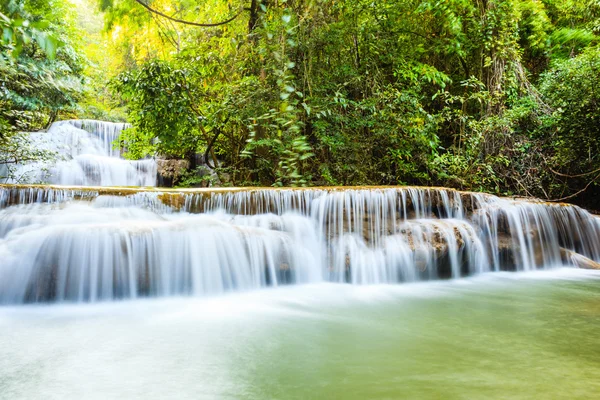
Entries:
{"x":487,"y":95}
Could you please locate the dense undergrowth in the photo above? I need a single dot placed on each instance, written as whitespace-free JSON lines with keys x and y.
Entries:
{"x":495,"y":96}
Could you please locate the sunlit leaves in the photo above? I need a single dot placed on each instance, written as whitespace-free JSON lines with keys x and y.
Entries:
{"x":39,"y":67}
{"x":17,"y":33}
{"x":162,"y":110}
{"x":357,"y":92}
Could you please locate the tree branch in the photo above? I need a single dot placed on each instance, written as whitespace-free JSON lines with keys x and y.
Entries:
{"x":574,"y":176}
{"x":576,"y":193}
{"x":209,"y":150}
{"x":181,"y":21}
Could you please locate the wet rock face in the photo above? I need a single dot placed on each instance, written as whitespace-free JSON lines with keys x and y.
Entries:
{"x":433,"y":237}
{"x":170,"y":171}
{"x":578,"y":260}
{"x":431,"y":248}
{"x":433,"y":245}
{"x":174,"y":200}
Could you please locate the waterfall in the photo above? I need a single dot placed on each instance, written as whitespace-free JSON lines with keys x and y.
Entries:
{"x":84,"y":155}
{"x":98,"y":243}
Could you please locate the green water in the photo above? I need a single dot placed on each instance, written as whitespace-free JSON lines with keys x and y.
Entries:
{"x":504,"y":336}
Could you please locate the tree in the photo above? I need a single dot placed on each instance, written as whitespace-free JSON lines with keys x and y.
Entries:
{"x":40,"y":74}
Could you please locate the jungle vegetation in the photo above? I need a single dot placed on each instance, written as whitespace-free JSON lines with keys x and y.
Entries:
{"x":498,"y":96}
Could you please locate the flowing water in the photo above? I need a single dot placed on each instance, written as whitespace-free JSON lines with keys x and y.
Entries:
{"x":84,"y":153}
{"x":109,"y":291}
{"x":91,"y":244}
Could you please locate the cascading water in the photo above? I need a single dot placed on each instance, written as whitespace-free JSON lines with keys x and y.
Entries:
{"x":84,"y":155}
{"x":89,"y":244}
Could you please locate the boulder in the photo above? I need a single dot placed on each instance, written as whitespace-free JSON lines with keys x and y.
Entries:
{"x":578,"y":260}
{"x":170,"y":171}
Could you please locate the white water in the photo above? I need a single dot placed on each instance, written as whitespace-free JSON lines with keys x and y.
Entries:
{"x":84,"y":156}
{"x":80,"y":245}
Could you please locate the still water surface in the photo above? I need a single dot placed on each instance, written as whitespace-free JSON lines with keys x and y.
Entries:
{"x":497,"y":336}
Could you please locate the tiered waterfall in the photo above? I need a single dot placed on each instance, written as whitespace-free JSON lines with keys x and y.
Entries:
{"x":103,"y":243}
{"x":101,"y":239}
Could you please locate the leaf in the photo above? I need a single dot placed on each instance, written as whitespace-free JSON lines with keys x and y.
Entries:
{"x":7,"y":35}
{"x":41,"y":25}
{"x":306,"y":108}
{"x":48,"y":43}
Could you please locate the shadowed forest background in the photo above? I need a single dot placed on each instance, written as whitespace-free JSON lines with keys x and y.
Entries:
{"x":494,"y":96}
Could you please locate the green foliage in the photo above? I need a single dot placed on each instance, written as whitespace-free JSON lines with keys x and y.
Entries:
{"x":489,"y":96}
{"x":19,"y":32}
{"x":357,"y":92}
{"x":41,"y":72}
{"x":40,"y":76}
{"x":569,"y":41}
{"x":162,"y":111}
{"x":573,"y":129}
{"x":493,"y":153}
{"x":200,"y":177}
{"x":276,"y":137}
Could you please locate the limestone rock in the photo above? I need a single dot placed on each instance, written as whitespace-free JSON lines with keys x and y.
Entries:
{"x":578,"y":260}
{"x":170,"y":171}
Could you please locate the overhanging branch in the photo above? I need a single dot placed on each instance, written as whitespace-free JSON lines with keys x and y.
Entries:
{"x":182,"y":21}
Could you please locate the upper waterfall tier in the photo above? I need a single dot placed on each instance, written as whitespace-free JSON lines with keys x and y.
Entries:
{"x":87,"y":244}
{"x":83,"y":153}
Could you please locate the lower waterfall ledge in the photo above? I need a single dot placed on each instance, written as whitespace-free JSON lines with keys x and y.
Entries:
{"x":87,"y":244}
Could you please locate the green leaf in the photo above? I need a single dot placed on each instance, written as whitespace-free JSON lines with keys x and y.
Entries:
{"x":48,"y":43}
